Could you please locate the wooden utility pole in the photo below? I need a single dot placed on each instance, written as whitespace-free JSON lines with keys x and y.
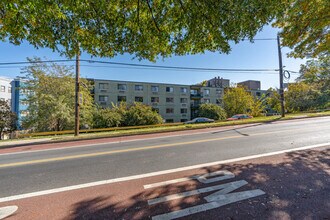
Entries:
{"x":281,"y":76}
{"x":76,"y":124}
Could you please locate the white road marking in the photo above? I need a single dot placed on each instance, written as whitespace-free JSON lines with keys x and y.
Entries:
{"x":215,"y":200}
{"x":232,"y":197}
{"x":140,"y":176}
{"x":202,"y":178}
{"x":7,"y":211}
{"x":226,"y":186}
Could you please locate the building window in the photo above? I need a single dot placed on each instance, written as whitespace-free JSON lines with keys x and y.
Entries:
{"x":218,"y":91}
{"x":9,"y":89}
{"x":154,"y":88}
{"x":122,"y":87}
{"x":169,"y":110}
{"x":121,"y":98}
{"x":183,"y":90}
{"x":103,"y":85}
{"x":258,"y":93}
{"x":138,"y":87}
{"x":169,"y":120}
{"x":155,"y":99}
{"x":3,"y":88}
{"x":170,"y":100}
{"x":183,"y":100}
{"x":184,"y":111}
{"x":169,"y":89}
{"x":156,"y":110}
{"x":138,"y":99}
{"x":193,"y":92}
{"x":206,"y":100}
{"x":218,"y":101}
{"x":184,"y":120}
{"x":206,"y":92}
{"x":103,"y":98}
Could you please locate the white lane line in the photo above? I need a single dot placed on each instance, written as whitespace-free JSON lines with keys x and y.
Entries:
{"x":202,"y":178}
{"x":81,"y":186}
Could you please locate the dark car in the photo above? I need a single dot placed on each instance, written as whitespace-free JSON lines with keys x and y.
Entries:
{"x":199,"y":120}
{"x":239,"y":116}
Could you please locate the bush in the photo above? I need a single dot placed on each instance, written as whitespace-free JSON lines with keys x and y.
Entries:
{"x":140,"y":114}
{"x":105,"y":118}
{"x":125,"y":115}
{"x":212,"y":111}
{"x":257,"y":108}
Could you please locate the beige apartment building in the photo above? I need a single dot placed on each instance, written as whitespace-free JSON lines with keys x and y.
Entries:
{"x":175,"y":103}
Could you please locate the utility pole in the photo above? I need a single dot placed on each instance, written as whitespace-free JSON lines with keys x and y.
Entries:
{"x":76,"y":124}
{"x":281,"y":75}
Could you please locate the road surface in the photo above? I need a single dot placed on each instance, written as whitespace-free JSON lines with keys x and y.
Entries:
{"x":34,"y":171}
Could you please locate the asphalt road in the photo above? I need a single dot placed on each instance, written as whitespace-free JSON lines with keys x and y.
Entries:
{"x":41,"y":170}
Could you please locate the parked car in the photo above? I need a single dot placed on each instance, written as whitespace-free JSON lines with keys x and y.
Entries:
{"x":239,"y":116}
{"x":200,"y":120}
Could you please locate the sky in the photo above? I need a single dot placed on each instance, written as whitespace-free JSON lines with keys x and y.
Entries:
{"x":245,"y":55}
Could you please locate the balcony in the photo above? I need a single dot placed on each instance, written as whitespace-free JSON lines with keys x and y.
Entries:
{"x":196,"y":95}
{"x":194,"y":105}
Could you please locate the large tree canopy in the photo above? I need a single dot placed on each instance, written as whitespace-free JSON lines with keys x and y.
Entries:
{"x":148,"y":29}
{"x":306,"y":27}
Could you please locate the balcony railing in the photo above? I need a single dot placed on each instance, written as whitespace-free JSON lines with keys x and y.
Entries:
{"x":196,"y":95}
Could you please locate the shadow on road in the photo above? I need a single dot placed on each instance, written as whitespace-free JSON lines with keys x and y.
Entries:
{"x":297,"y":186}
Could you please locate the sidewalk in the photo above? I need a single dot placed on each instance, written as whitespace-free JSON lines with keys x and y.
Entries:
{"x":287,"y":186}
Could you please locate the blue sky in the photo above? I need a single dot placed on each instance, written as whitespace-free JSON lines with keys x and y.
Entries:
{"x":257,"y":55}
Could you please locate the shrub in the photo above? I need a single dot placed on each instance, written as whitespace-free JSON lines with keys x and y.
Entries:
{"x":212,"y":111}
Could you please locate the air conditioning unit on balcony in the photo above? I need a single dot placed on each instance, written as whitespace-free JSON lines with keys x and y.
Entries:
{"x":121,"y":91}
{"x":103,"y":90}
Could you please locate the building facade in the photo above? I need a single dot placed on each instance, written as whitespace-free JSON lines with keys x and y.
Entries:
{"x":175,"y":103}
{"x":19,"y":103}
{"x":6,"y":90}
{"x":250,"y":84}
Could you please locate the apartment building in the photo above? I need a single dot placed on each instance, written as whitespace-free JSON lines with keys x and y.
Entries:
{"x":254,"y":87}
{"x":175,"y":103}
{"x":6,"y":90}
{"x":19,"y":104}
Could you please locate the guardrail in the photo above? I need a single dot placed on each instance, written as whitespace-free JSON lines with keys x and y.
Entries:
{"x":47,"y":133}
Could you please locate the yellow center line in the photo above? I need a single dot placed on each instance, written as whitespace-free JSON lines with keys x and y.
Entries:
{"x":127,"y":150}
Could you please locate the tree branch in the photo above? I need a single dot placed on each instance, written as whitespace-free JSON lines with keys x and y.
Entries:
{"x":152,"y":15}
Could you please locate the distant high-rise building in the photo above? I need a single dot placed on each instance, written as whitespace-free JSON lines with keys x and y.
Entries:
{"x":218,"y":82}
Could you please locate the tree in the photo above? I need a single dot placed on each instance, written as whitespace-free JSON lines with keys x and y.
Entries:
{"x":8,"y":118}
{"x":305,"y":27}
{"x":237,"y":101}
{"x":51,"y":98}
{"x":300,"y":97}
{"x":273,"y":101}
{"x":316,"y":74}
{"x":212,"y":111}
{"x":146,"y":29}
{"x":257,"y":107}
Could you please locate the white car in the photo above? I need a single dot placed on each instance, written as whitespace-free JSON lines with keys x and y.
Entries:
{"x":199,"y":120}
